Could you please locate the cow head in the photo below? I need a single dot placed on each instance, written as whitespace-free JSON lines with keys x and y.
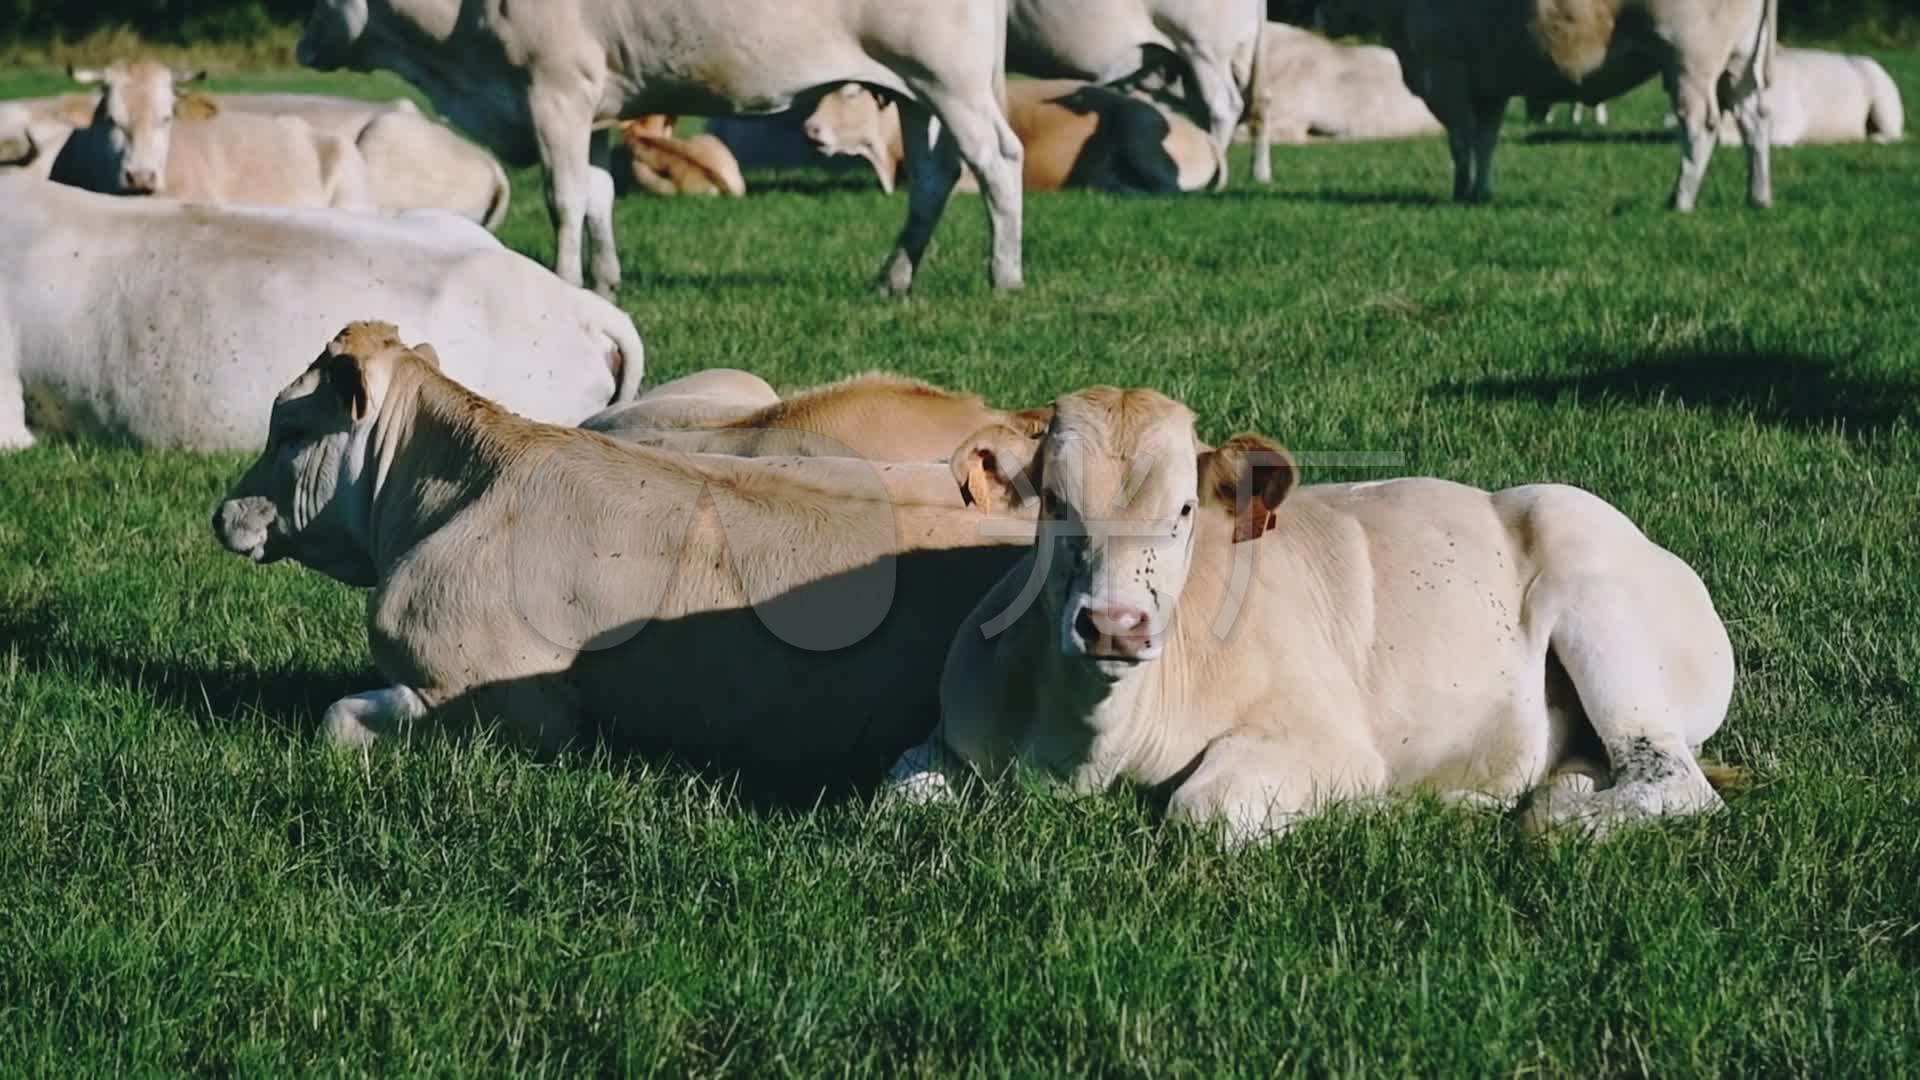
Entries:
{"x":1124,"y":486}
{"x":309,"y":496}
{"x":854,"y":121}
{"x":134,"y":119}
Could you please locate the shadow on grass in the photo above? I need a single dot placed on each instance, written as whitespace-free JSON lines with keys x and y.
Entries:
{"x":289,"y":700}
{"x":1402,"y":197}
{"x":1555,"y":138}
{"x":1788,"y":390}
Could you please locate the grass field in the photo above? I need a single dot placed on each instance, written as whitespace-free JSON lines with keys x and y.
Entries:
{"x":187,"y":882}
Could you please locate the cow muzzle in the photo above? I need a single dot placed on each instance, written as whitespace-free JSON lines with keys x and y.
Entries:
{"x":140,"y":181}
{"x":245,"y":527}
{"x":1111,"y":631}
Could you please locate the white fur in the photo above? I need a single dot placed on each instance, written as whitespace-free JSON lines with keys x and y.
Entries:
{"x":169,"y":324}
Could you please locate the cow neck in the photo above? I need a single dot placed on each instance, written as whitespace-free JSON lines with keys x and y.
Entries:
{"x":434,"y":449}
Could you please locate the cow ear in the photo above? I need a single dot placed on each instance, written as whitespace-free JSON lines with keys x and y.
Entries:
{"x":346,"y":376}
{"x":86,"y":76}
{"x":195,"y":107}
{"x":187,"y":76}
{"x":1249,"y":476}
{"x":425,"y":352}
{"x":997,"y":468}
{"x":1031,"y":422}
{"x":18,"y":149}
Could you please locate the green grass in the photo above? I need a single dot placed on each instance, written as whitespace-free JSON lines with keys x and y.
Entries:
{"x":187,"y":882}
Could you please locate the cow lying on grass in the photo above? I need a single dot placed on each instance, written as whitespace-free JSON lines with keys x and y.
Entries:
{"x":1189,"y":620}
{"x":133,"y":146}
{"x":762,"y":612}
{"x":164,"y":324}
{"x":876,"y":416}
{"x":1826,"y":97}
{"x":1074,"y":134}
{"x":1312,"y":86}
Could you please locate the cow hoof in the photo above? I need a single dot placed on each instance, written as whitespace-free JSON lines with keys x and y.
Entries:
{"x":16,"y":440}
{"x":1009,"y":284}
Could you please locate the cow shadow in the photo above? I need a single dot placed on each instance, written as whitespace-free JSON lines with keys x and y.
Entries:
{"x":1551,"y":137}
{"x":1339,"y":197}
{"x":837,"y":677}
{"x":287,"y":700}
{"x":1795,"y":391}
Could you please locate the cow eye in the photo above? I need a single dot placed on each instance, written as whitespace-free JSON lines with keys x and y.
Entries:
{"x":1050,"y":503}
{"x":1186,"y":511}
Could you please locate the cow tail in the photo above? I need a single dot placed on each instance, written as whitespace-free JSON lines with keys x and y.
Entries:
{"x":502,"y":196}
{"x":1769,"y":45}
{"x":628,"y":359}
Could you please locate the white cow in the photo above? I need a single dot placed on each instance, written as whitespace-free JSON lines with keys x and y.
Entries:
{"x":1467,"y":59}
{"x":168,"y":324}
{"x":1189,"y":620}
{"x":1213,"y":46}
{"x":1312,"y":86}
{"x":1823,"y":97}
{"x":413,"y":162}
{"x":134,"y":147}
{"x":531,"y":79}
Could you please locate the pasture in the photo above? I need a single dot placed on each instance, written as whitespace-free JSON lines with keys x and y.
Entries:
{"x":187,"y":882}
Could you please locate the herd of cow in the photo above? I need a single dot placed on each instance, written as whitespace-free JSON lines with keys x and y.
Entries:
{"x":876,"y":576}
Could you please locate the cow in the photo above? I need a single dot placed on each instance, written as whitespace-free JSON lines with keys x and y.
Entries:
{"x":132,"y":146}
{"x":1312,"y":86}
{"x":1211,"y":46}
{"x":413,"y":162}
{"x":666,"y":164}
{"x":165,"y":324}
{"x":1826,"y":97}
{"x":878,"y":416}
{"x":1191,"y":620}
{"x":530,"y":81}
{"x":715,"y":395}
{"x":752,"y":613}
{"x":1467,"y":60}
{"x":33,"y":131}
{"x":1073,"y":134}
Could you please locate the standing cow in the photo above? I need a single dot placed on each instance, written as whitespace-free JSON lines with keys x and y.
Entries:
{"x":1214,"y":46}
{"x":530,"y":80}
{"x":1467,"y":59}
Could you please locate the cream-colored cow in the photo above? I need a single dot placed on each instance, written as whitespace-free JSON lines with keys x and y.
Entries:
{"x":1074,"y":134}
{"x":134,"y":147}
{"x":1189,"y":618}
{"x":877,"y":416}
{"x":781,"y":613}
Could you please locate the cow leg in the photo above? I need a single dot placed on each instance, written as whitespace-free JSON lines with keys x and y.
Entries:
{"x":13,"y":398}
{"x":1220,"y":92}
{"x":1460,"y":144}
{"x":357,"y":720}
{"x":1487,"y":117}
{"x":927,"y":773}
{"x":606,"y":257}
{"x":1260,"y":121}
{"x":1253,"y":789}
{"x":1654,"y":685}
{"x":1755,"y":121}
{"x":933,"y":167}
{"x":563,"y":128}
{"x":1694,"y":105}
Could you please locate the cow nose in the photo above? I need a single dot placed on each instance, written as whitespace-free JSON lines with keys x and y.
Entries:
{"x":140,"y":181}
{"x":812,"y":131}
{"x":1112,"y":629}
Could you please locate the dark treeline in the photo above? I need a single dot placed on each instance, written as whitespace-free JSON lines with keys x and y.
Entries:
{"x":189,"y":21}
